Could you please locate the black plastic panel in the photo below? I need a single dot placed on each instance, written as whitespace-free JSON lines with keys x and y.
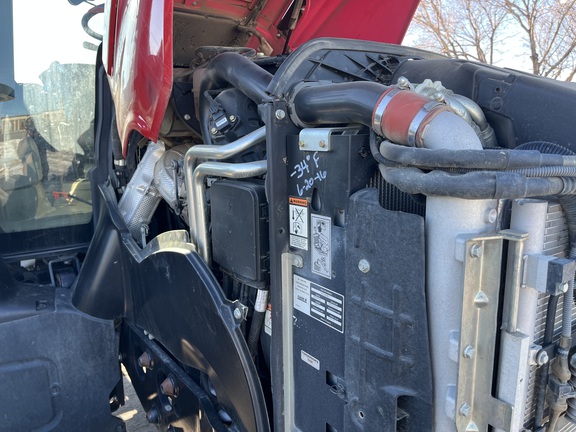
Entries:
{"x":58,"y":367}
{"x":239,"y":216}
{"x":387,"y":331}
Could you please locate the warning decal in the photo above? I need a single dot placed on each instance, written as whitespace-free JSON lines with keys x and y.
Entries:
{"x":322,"y":246}
{"x":319,"y":302}
{"x":298,"y":223}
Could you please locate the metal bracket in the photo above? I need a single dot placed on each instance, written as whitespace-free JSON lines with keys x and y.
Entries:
{"x":289,"y":261}
{"x":320,"y":139}
{"x":476,"y":408}
{"x":547,"y":274}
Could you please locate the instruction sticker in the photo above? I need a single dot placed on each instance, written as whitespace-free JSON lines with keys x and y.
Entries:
{"x":311,"y":360}
{"x":298,"y":223}
{"x":322,"y":246}
{"x":319,"y":302}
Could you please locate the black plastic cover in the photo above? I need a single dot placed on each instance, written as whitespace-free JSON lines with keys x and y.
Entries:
{"x":240,"y":229}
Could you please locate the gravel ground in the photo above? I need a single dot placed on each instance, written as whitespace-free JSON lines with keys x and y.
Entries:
{"x":132,"y":412}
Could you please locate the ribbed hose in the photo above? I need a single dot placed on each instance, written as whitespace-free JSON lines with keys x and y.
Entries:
{"x":548,"y":171}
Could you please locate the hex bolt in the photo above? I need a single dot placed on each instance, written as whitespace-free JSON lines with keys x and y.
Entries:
{"x":169,"y":387}
{"x":542,"y":358}
{"x":476,"y":251}
{"x":237,"y":314}
{"x":187,"y":117}
{"x":167,"y":407}
{"x":403,"y":82}
{"x":152,"y":416}
{"x":491,"y":216}
{"x":213,"y":131}
{"x":564,"y":287}
{"x":465,"y":410}
{"x":280,"y":114}
{"x":364,"y":265}
{"x":469,"y":352}
{"x":232,"y":118}
{"x":145,"y":361}
{"x":322,"y":144}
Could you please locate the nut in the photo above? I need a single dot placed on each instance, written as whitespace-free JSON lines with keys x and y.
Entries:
{"x":213,"y":131}
{"x":145,"y":361}
{"x":168,"y":387}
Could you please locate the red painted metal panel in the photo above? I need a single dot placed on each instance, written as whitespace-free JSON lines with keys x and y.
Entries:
{"x":138,"y":42}
{"x":141,"y":73}
{"x":375,"y":20}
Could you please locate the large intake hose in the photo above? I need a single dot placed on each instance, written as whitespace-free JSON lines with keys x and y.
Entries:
{"x":231,"y":69}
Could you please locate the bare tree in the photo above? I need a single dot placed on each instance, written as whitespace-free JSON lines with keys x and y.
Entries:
{"x":549,"y":28}
{"x":466,"y":29}
{"x":480,"y":29}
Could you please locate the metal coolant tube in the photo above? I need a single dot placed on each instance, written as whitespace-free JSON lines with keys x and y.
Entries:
{"x":447,"y":220}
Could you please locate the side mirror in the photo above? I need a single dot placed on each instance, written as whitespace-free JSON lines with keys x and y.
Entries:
{"x":6,"y":93}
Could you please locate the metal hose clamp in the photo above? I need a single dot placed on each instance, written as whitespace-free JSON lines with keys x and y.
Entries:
{"x":381,"y":106}
{"x":417,"y":122}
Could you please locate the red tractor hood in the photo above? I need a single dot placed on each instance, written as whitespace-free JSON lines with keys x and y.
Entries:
{"x":145,"y":38}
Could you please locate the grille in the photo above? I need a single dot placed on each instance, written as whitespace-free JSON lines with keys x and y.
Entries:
{"x":555,"y":243}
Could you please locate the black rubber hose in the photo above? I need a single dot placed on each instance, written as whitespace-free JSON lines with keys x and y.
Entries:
{"x":254,"y":333}
{"x":482,"y":159}
{"x":231,"y":69}
{"x":473,"y":185}
{"x":542,"y":376}
{"x":337,"y":103}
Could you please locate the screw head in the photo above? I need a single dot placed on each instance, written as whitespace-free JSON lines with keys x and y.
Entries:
{"x":564,"y":287}
{"x":232,"y":118}
{"x":476,"y":251}
{"x":187,"y":117}
{"x":301,"y":143}
{"x":213,"y":131}
{"x":491,"y":216}
{"x":542,"y":358}
{"x":469,"y":352}
{"x":465,"y":410}
{"x":364,"y":265}
{"x":280,"y":114}
{"x":322,"y":144}
{"x":237,"y":314}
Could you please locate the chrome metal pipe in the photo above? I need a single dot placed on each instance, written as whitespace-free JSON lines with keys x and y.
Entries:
{"x":220,"y":169}
{"x":217,"y":152}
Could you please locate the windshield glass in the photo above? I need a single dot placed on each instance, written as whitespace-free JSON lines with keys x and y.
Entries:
{"x":46,"y":114}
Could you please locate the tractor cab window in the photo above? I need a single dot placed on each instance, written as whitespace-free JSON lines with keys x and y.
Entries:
{"x":46,"y":116}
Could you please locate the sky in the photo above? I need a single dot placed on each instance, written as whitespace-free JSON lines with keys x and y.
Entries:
{"x":47,"y":31}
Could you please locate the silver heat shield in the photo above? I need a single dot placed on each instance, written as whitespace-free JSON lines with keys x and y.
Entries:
{"x":165,"y":178}
{"x":141,"y":197}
